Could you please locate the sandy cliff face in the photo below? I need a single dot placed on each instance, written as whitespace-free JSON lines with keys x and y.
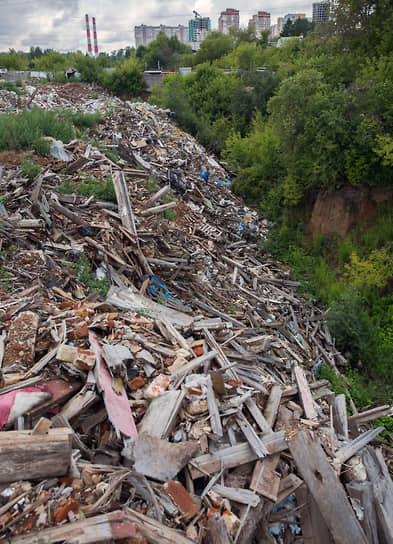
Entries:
{"x":339,"y":211}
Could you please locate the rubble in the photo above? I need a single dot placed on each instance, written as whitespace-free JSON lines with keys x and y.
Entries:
{"x":183,"y":405}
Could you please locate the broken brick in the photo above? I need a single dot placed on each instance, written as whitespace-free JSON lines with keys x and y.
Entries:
{"x":183,"y":500}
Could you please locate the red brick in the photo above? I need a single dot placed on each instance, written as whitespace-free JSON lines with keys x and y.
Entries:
{"x":198,"y":350}
{"x":62,"y":512}
{"x":82,"y":330}
{"x":136,"y":383}
{"x":183,"y":500}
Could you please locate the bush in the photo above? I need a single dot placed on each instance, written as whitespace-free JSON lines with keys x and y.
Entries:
{"x":29,"y":168}
{"x":126,"y":79}
{"x":20,"y":131}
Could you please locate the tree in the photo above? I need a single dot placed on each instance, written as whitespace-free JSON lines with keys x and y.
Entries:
{"x":214,"y":46}
{"x":288,"y":29}
{"x":126,"y":79}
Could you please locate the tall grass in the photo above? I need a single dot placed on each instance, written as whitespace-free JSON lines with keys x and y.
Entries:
{"x":22,"y":130}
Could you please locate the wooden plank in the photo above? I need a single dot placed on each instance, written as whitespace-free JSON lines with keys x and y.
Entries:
{"x":370,"y":415}
{"x":258,"y":417}
{"x":215,"y":420}
{"x":362,"y":499}
{"x":102,"y":528}
{"x":123,"y":201}
{"x":314,"y":528}
{"x":154,"y":531}
{"x":160,"y":417}
{"x":379,"y":476}
{"x":272,"y":405}
{"x":344,"y":453}
{"x":237,"y":494}
{"x":159,"y":459}
{"x":159,"y":194}
{"x":253,"y":439}
{"x":217,"y":532}
{"x":24,"y":456}
{"x":305,"y":394}
{"x":340,"y":415}
{"x":193,"y":365}
{"x":233,"y":456}
{"x":265,"y":480}
{"x":126,"y":299}
{"x":159,"y":209}
{"x":326,"y":489}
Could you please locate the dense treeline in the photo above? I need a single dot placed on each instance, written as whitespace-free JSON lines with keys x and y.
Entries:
{"x":314,"y":113}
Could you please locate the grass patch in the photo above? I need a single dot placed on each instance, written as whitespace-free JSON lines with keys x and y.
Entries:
{"x":16,"y":86}
{"x":102,"y":189}
{"x":151,"y":184}
{"x":27,"y":128}
{"x":21,"y":130}
{"x":83,"y":270}
{"x":29,"y":168}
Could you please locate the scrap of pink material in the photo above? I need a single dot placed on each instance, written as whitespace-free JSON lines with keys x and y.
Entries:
{"x":7,"y":401}
{"x":117,"y":406}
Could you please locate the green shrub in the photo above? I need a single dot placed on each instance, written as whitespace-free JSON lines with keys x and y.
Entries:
{"x":99,"y":188}
{"x":29,"y":168}
{"x":41,"y":146}
{"x":83,"y":269}
{"x":21,"y":130}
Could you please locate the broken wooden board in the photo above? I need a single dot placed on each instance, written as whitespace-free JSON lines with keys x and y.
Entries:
{"x":128,"y":300}
{"x":237,"y":494}
{"x":24,"y":456}
{"x":379,"y":476}
{"x":154,"y":531}
{"x":265,"y":480}
{"x":159,"y":459}
{"x":326,"y":489}
{"x":305,"y":394}
{"x":160,"y":417}
{"x":103,"y":528}
{"x":234,"y":455}
{"x":117,"y":404}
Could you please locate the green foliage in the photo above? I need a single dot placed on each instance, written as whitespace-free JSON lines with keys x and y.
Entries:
{"x":126,"y":79}
{"x":83,"y":269}
{"x":29,"y":168}
{"x":162,"y":53}
{"x":41,"y":146}
{"x":151,"y":184}
{"x":101,"y":189}
{"x":214,"y":46}
{"x":21,"y":130}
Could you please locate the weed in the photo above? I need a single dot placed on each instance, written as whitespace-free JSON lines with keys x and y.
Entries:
{"x":83,"y":269}
{"x":29,"y":168}
{"x":3,"y":199}
{"x":170,"y":215}
{"x":21,"y":130}
{"x":151,"y":184}
{"x":99,"y":188}
{"x":41,"y":146}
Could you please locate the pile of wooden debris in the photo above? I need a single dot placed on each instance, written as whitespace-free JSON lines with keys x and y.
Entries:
{"x":184,"y":404}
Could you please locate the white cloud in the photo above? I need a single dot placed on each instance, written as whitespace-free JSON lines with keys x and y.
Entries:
{"x":59,"y":24}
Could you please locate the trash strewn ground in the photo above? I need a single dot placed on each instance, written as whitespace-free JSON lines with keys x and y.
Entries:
{"x":159,"y":377}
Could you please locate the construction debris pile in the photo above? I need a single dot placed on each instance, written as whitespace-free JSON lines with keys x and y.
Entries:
{"x":183,"y":405}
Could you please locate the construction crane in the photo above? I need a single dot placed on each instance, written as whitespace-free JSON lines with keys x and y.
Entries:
{"x":196,"y":14}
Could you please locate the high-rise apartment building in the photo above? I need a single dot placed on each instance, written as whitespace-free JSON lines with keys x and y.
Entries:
{"x":281,"y":21}
{"x":145,"y":34}
{"x":227,"y":19}
{"x":198,"y":28}
{"x":320,"y":12}
{"x":261,"y":21}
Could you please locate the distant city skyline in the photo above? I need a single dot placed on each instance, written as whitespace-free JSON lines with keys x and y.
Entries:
{"x":60,"y":24}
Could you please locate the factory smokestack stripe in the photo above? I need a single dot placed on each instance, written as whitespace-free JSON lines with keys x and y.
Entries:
{"x":95,"y":36}
{"x":89,"y":49}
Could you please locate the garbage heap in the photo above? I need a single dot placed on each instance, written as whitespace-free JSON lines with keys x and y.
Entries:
{"x":159,"y":372}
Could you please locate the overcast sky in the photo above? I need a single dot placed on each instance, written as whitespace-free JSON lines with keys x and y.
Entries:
{"x":59,"y":24}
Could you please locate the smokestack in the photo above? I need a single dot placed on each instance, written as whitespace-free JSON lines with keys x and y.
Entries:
{"x":89,"y":50}
{"x":95,"y":37}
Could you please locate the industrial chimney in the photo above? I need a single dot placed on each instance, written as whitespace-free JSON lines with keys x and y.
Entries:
{"x":89,"y":49}
{"x":95,"y":37}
